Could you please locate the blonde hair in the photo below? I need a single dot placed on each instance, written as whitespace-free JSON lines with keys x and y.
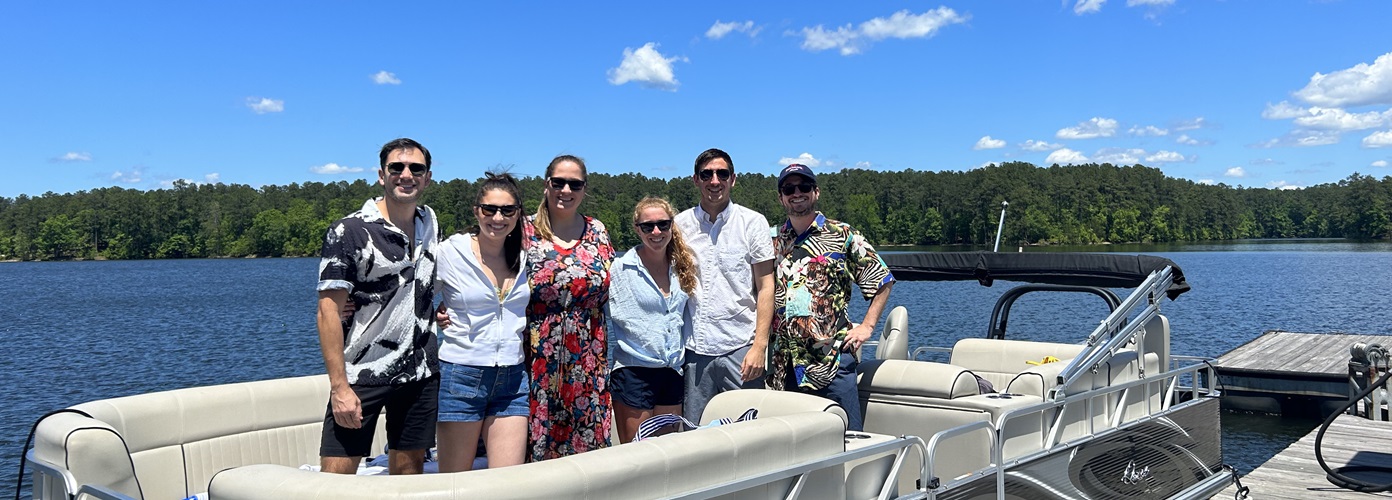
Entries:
{"x":542,"y":221}
{"x":678,"y":253}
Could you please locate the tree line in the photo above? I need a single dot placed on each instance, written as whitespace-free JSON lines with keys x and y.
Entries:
{"x":1081,"y":204}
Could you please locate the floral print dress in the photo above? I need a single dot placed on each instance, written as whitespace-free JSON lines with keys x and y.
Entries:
{"x":567,"y":343}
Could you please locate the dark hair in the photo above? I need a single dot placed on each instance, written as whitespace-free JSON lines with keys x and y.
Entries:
{"x":402,"y":143}
{"x":542,"y":222}
{"x":512,"y":246}
{"x":711,"y":154}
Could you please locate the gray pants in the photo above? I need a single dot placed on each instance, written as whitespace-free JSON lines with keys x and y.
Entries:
{"x":707,"y":376}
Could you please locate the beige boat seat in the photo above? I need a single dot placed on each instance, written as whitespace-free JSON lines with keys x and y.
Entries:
{"x":170,"y":444}
{"x":1000,"y":361}
{"x":660,"y":467}
{"x":894,"y":338}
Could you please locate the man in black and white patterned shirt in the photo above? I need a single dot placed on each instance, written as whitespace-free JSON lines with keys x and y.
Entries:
{"x":382,"y":259}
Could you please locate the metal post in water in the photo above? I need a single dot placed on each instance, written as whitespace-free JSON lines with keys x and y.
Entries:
{"x":1000,"y":227}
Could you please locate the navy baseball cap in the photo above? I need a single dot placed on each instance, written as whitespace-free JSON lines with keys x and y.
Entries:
{"x":797,"y":169}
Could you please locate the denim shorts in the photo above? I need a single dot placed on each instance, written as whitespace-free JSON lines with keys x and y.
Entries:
{"x":473,"y":393}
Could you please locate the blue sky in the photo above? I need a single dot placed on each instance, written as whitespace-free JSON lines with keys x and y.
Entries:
{"x":138,"y":94}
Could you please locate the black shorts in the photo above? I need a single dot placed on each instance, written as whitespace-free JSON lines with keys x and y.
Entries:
{"x":645,"y":388}
{"x":411,"y":412}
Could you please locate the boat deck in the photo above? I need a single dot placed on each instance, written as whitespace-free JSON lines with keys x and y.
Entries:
{"x":1294,"y":473}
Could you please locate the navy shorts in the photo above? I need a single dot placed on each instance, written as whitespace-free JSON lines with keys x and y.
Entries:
{"x":645,"y":388}
{"x":473,"y":393}
{"x":410,"y":419}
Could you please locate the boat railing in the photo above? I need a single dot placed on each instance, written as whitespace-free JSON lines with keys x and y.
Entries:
{"x":1201,"y":377}
{"x":900,"y":446}
{"x":1119,"y":329}
{"x":44,"y":470}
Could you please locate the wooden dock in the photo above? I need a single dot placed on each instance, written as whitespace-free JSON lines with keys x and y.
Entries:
{"x":1294,"y":474}
{"x":1284,"y":372}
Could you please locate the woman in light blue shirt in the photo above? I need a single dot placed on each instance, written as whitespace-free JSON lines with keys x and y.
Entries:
{"x":483,"y":380}
{"x":646,"y":316}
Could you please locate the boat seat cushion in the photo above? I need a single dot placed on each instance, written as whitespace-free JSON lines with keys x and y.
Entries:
{"x":915,"y":378}
{"x":731,"y":404}
{"x":999,"y":361}
{"x":660,"y":467}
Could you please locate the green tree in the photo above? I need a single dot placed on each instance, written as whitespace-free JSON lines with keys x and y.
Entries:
{"x":269,"y":232}
{"x":59,"y":237}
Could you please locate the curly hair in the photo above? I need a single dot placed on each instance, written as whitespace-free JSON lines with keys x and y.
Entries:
{"x":678,"y":253}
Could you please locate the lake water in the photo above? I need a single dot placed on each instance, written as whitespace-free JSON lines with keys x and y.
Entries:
{"x":79,"y":331}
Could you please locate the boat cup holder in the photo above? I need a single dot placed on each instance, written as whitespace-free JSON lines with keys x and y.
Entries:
{"x":1006,"y":395}
{"x":856,"y":435}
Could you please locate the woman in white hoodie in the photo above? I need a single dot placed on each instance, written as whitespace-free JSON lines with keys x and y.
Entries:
{"x":484,"y":382}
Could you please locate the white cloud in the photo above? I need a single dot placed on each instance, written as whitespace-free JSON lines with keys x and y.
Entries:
{"x":1033,"y":145}
{"x":263,"y":105}
{"x":1189,"y":141}
{"x":1323,"y":118}
{"x":385,"y":77}
{"x":1207,"y":182}
{"x":1091,"y":129}
{"x":1147,"y":131}
{"x":1379,"y":164}
{"x":1360,"y":85}
{"x":1194,"y":124}
{"x":1379,"y":139}
{"x":207,"y":179}
{"x":1282,"y":111}
{"x":1237,"y":172}
{"x":71,"y":156}
{"x":850,"y":40}
{"x":1088,"y":6}
{"x":903,"y":25}
{"x":1066,"y":156}
{"x":131,"y":177}
{"x":1119,"y":156}
{"x":1338,"y":119}
{"x":817,"y":39}
{"x":1265,"y":161}
{"x":1164,"y":157}
{"x":646,"y":66}
{"x":1301,"y":139}
{"x":986,"y":142}
{"x":1282,"y":185}
{"x":334,"y":169}
{"x":805,"y":159}
{"x":863,"y":165}
{"x":719,"y":29}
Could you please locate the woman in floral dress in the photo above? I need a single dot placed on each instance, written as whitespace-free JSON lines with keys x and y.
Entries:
{"x":568,"y":258}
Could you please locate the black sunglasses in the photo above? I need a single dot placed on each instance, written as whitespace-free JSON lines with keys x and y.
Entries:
{"x":491,"y":210}
{"x":661,"y":225}
{"x":788,"y":189}
{"x":575,"y":184}
{"x":396,"y":167}
{"x":723,"y":173}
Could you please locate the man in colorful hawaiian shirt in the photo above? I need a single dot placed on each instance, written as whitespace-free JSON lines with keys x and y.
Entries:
{"x":817,"y":262}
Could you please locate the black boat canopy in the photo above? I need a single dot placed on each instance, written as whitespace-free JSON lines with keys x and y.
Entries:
{"x":1054,"y":268}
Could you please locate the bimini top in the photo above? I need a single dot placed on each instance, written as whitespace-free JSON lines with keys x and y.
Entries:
{"x":1054,"y":268}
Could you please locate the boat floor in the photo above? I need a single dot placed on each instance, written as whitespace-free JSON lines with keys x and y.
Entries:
{"x":1294,"y":474}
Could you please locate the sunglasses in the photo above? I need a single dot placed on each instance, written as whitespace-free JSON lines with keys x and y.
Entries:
{"x":575,"y":184}
{"x":723,"y":173}
{"x":491,"y":210}
{"x":396,"y":167}
{"x":661,"y":225}
{"x":789,"y":189}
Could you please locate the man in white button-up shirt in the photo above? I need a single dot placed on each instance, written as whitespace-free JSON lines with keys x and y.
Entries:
{"x":727,"y":333}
